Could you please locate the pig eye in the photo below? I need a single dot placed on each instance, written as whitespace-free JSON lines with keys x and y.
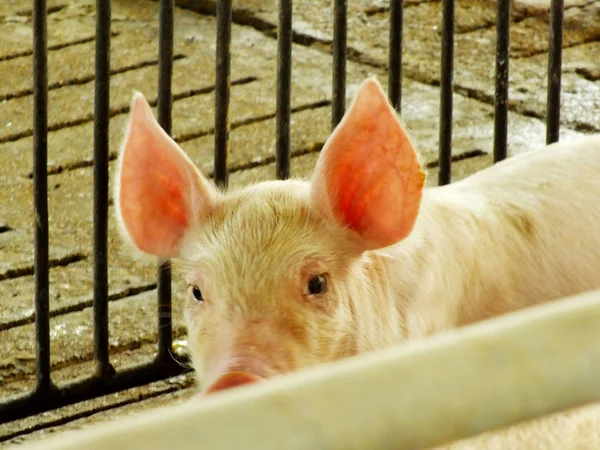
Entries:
{"x":197,"y":293}
{"x":317,"y":284}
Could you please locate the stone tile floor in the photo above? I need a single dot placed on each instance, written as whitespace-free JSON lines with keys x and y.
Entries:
{"x":134,"y":53}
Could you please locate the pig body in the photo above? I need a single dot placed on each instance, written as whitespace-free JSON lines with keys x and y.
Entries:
{"x":510,"y":236}
{"x":287,"y":274}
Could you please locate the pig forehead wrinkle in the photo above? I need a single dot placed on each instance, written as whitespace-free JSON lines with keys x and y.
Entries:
{"x":270,"y":226}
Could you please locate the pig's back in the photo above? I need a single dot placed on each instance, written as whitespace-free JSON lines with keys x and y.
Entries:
{"x":566,"y":162}
{"x":533,"y":224}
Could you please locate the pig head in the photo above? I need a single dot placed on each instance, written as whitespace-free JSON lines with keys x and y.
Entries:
{"x":279,"y":274}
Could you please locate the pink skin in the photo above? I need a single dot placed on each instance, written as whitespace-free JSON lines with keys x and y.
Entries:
{"x":237,"y":371}
{"x":231,"y":380}
{"x":244,"y":356}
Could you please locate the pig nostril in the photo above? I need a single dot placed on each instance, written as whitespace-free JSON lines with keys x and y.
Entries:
{"x":233,"y":379}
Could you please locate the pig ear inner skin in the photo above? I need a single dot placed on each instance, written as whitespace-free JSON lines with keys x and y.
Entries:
{"x":368,"y":176}
{"x":160,"y":194}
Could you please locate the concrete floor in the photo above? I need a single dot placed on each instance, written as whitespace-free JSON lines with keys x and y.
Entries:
{"x":134,"y":50}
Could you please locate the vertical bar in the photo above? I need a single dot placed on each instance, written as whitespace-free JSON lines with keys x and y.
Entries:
{"x":222,"y":91}
{"x":395,"y":56}
{"x":338,"y":106}
{"x":501,"y":96}
{"x":40,"y":192}
{"x":554,"y":71}
{"x":447,"y":81}
{"x":284,"y":80}
{"x":101,"y":119}
{"x":165,"y":103}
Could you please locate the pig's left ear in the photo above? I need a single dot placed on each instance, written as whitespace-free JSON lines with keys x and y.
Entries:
{"x":368,"y":175}
{"x":160,"y":196}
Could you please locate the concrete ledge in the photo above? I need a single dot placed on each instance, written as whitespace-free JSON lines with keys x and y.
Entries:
{"x":454,"y":385}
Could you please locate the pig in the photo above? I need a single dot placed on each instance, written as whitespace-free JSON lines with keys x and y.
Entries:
{"x":287,"y":274}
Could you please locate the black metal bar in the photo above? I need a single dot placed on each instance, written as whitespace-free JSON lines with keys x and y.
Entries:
{"x":446,"y":82}
{"x":284,"y":81}
{"x":165,"y":64}
{"x":101,"y":123}
{"x":165,"y":104}
{"x":501,"y":96}
{"x":395,"y":56}
{"x":339,"y":49}
{"x":86,"y":389}
{"x":554,"y":71}
{"x":40,"y":194}
{"x":222,"y":91}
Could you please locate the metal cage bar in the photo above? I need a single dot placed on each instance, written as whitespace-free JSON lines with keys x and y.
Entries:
{"x":284,"y":86}
{"x":339,"y":50}
{"x":554,"y":71}
{"x":84,"y":389}
{"x":501,"y":95}
{"x":395,"y":54}
{"x":447,"y":83}
{"x":222,"y":91}
{"x":165,"y":102}
{"x":105,"y":381}
{"x":101,"y":123}
{"x":40,"y":193}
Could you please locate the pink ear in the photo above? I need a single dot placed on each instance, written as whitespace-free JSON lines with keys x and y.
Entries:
{"x":160,"y":193}
{"x":368,"y":176}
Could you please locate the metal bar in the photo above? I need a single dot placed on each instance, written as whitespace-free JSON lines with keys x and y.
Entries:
{"x":554,"y":71}
{"x":339,"y":49}
{"x":222,"y":91}
{"x":446,"y":82}
{"x":501,"y":96}
{"x":101,"y":124}
{"x":284,"y":81}
{"x":165,"y":103}
{"x":40,"y":193}
{"x":86,"y":389}
{"x":395,"y":55}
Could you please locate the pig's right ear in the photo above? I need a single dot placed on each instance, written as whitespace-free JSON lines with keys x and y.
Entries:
{"x":368,"y":176}
{"x":159,"y":195}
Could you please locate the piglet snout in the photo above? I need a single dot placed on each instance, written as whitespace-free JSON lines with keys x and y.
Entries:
{"x":238,"y":372}
{"x":232,"y":379}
